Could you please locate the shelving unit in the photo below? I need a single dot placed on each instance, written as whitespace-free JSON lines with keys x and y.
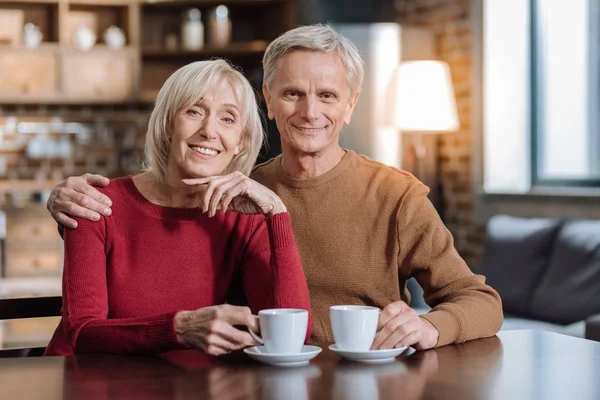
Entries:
{"x":58,"y":73}
{"x":238,"y":48}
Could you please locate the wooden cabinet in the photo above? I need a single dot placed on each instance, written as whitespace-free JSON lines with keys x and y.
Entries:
{"x":33,"y":263}
{"x":32,"y":246}
{"x":24,"y":72}
{"x":57,"y":73}
{"x":104,"y":75}
{"x":11,"y":22}
{"x":64,"y":75}
{"x":23,"y":261}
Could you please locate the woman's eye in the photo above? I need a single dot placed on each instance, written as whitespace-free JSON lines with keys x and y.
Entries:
{"x":228,"y":120}
{"x":193,"y":112}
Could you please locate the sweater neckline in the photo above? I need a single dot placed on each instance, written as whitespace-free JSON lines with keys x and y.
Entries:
{"x":128,"y":186}
{"x":347,"y":160}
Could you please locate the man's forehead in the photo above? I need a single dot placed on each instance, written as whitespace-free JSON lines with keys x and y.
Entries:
{"x":310,"y":66}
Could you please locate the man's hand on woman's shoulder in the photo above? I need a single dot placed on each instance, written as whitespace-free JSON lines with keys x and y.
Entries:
{"x":77,"y":197}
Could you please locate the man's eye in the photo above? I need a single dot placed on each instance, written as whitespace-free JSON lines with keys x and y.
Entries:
{"x":293,"y":93}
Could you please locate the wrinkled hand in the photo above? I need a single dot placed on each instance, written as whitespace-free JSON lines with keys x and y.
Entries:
{"x":76,"y":197}
{"x":211,"y":329}
{"x":236,"y":192}
{"x":399,"y":325}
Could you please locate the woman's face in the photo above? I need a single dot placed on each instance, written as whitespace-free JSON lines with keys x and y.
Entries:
{"x":205,"y":136}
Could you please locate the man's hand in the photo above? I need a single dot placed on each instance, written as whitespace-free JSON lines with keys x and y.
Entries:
{"x":76,"y":197}
{"x":399,"y":326}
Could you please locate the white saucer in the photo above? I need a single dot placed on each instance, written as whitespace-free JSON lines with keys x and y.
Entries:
{"x":369,"y":356}
{"x":260,"y":353}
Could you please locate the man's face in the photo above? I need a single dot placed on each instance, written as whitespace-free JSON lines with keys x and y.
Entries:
{"x":310,"y":101}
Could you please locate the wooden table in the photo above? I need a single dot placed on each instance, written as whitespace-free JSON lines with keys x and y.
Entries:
{"x":514,"y":365}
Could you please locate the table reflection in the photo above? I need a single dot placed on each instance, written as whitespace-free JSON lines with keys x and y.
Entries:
{"x":371,"y":381}
{"x":185,"y":375}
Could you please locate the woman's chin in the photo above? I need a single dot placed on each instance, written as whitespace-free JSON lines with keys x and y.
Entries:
{"x":199,"y":174}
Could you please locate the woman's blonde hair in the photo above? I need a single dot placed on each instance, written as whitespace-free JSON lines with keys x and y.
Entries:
{"x":185,"y":87}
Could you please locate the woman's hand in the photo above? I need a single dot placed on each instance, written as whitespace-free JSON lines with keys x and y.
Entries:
{"x":211,"y":329}
{"x":237,"y":192}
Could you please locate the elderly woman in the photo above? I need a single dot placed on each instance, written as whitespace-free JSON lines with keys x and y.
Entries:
{"x":153,"y":276}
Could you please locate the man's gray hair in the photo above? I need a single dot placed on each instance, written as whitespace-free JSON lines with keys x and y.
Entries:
{"x":318,"y":37}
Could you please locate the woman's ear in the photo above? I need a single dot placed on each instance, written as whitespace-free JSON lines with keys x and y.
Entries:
{"x":238,"y":148}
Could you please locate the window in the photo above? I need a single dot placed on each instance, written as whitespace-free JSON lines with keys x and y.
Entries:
{"x":541,"y":94}
{"x":565,"y":92}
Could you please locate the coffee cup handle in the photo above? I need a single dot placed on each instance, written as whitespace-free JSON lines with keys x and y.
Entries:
{"x":254,"y":334}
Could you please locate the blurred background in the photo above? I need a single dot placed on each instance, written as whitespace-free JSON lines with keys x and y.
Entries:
{"x":493,"y":104}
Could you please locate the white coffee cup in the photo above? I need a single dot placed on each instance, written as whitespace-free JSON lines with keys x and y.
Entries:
{"x":354,"y":327}
{"x":282,"y":330}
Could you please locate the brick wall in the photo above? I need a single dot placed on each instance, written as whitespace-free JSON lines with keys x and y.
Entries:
{"x":450,"y":21}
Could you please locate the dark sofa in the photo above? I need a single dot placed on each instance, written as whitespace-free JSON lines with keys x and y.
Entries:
{"x":547,"y":272}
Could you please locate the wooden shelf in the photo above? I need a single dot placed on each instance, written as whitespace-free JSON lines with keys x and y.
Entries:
{"x":30,"y":185}
{"x":47,"y":75}
{"x":30,"y":1}
{"x":103,"y":3}
{"x":239,"y":48}
{"x":201,"y":3}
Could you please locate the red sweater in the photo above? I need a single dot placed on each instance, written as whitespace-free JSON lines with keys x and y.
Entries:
{"x":126,"y":276}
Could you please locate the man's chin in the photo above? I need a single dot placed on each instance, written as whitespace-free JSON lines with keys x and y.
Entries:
{"x":308,"y":147}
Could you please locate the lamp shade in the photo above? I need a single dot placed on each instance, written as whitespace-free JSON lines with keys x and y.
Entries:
{"x":424,"y":98}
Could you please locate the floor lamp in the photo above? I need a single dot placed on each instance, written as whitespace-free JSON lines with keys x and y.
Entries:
{"x":425,"y":104}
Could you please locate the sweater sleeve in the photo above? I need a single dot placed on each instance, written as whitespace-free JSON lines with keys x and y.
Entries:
{"x":272,"y":272}
{"x":463,"y":306}
{"x":85,"y":321}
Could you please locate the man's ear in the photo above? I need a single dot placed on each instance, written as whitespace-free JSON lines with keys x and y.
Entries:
{"x":267,"y":96}
{"x":350,"y":108}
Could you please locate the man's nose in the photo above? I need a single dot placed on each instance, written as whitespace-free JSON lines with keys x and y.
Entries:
{"x":310,"y":108}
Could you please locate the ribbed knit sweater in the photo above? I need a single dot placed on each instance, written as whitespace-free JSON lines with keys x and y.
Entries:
{"x":126,"y":276}
{"x":363,"y":229}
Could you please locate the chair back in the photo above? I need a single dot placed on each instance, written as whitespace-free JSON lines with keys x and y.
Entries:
{"x":34,"y":307}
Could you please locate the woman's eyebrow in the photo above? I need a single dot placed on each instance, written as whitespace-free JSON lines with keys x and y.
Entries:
{"x":231,"y":106}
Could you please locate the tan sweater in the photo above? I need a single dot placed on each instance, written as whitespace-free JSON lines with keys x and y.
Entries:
{"x":363,"y":229}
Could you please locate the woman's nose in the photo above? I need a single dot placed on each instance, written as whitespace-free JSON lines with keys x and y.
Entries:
{"x":209,"y":129}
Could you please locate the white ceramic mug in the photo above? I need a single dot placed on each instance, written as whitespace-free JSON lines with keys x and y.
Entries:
{"x":354,"y":327}
{"x":282,"y":330}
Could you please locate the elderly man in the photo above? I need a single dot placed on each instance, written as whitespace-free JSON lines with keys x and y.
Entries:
{"x":362,"y":228}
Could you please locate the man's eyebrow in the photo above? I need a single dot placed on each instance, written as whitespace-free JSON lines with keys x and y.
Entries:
{"x":291,"y":89}
{"x":329,"y":90}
